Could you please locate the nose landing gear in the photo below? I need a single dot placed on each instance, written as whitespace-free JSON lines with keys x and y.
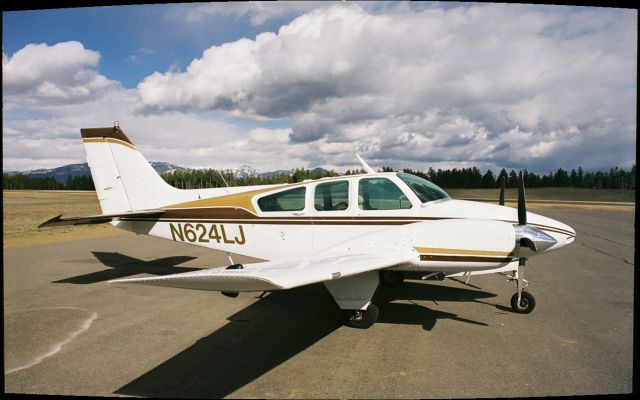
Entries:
{"x":526,"y":304}
{"x":521,"y":302}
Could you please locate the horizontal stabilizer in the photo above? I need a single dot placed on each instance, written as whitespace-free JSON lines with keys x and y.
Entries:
{"x":276,"y":275}
{"x":96,"y":219}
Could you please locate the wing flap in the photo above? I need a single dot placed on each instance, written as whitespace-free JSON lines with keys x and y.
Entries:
{"x":277,"y":275}
{"x":96,"y":219}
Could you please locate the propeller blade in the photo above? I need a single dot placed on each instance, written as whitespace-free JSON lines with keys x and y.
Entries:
{"x":522,"y":205}
{"x":501,"y":200}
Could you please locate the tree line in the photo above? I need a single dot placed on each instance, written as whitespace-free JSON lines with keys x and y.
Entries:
{"x":472,"y":178}
{"x":22,"y":182}
{"x":463,"y":178}
{"x":211,"y":178}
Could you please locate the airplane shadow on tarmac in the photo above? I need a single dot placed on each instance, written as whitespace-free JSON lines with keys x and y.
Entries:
{"x":121,"y":266}
{"x":275,"y":329}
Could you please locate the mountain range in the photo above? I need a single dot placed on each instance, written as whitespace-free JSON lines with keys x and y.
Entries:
{"x":61,"y":173}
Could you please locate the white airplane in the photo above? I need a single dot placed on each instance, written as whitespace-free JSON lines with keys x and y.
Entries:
{"x":348,"y":232}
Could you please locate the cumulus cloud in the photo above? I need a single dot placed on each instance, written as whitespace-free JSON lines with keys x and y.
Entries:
{"x":63,"y":73}
{"x":492,"y":86}
{"x":503,"y":84}
{"x":53,"y":139}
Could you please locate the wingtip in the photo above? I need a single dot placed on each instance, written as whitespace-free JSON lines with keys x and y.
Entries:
{"x":50,"y":221}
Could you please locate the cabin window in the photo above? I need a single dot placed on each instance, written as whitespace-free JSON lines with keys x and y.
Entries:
{"x":381,"y":194}
{"x":289,"y":200}
{"x":332,"y":196}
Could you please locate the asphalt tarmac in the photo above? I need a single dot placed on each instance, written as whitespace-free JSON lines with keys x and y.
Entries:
{"x":68,"y":332}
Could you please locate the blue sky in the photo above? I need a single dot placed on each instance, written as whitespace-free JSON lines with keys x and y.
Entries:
{"x":310,"y":84}
{"x":147,"y":32}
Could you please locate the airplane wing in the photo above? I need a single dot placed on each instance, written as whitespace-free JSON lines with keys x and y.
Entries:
{"x":96,"y":219}
{"x":277,"y":275}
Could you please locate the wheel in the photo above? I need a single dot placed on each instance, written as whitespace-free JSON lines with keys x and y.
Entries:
{"x":527,"y":303}
{"x":391,"y":278}
{"x":361,"y":319}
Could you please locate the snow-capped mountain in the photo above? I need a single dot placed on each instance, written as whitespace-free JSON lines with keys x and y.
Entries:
{"x":162,"y":167}
{"x":245,"y":171}
{"x":61,"y":173}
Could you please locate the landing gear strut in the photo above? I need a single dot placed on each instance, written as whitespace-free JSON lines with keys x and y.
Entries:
{"x":522,"y":302}
{"x":361,"y":319}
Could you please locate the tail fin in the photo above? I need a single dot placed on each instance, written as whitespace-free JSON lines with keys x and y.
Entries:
{"x":123,"y":178}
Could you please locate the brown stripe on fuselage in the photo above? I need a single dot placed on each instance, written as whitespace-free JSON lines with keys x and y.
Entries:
{"x":241,"y":215}
{"x":432,"y":250}
{"x":110,"y":132}
{"x":237,"y":215}
{"x":263,"y":221}
{"x":544,"y":227}
{"x":432,"y":257}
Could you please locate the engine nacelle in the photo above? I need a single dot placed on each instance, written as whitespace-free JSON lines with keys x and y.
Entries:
{"x":454,"y":243}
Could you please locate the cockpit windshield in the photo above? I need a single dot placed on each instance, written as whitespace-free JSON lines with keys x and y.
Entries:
{"x":425,"y":190}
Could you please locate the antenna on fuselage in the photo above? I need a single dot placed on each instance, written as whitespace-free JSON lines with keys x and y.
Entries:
{"x":365,"y":165}
{"x":225,"y":182}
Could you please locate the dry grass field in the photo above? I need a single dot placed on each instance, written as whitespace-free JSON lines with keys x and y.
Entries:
{"x":24,"y":210}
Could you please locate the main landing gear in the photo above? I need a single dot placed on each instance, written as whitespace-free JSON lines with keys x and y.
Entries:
{"x":361,"y":319}
{"x":353,"y":295}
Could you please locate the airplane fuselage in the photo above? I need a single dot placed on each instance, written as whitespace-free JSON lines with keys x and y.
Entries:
{"x":435,"y":229}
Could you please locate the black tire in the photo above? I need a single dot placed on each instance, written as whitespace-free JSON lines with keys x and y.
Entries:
{"x":527,"y":303}
{"x":361,"y":319}
{"x":391,"y":279}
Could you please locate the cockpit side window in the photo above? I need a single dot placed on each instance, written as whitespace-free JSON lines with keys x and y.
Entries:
{"x":289,"y":200}
{"x":332,"y":196}
{"x":381,"y":194}
{"x":425,"y":190}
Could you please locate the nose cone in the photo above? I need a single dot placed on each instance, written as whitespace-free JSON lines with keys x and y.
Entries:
{"x":562,"y":233}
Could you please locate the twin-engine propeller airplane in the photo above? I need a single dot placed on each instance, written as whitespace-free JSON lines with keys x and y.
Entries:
{"x":348,"y":232}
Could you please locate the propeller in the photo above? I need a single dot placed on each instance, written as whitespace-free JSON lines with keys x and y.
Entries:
{"x":532,"y":238}
{"x":522,"y":204}
{"x":522,"y":221}
{"x":522,"y":218}
{"x":501,"y":200}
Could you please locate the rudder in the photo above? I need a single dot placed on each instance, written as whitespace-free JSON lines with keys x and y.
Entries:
{"x":123,"y":178}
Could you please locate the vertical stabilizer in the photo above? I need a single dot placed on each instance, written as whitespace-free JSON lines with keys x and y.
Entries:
{"x":123,"y":178}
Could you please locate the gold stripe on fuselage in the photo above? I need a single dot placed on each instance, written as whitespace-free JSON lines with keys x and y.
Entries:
{"x":433,"y":250}
{"x":236,"y":200}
